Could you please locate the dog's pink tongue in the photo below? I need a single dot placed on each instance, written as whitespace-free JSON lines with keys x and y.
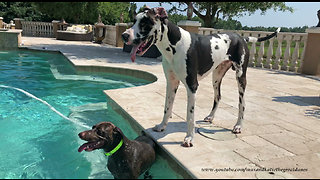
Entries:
{"x":133,"y":53}
{"x":83,"y":147}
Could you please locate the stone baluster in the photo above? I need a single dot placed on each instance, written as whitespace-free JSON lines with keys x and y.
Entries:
{"x":277,"y":65}
{"x":34,"y":25}
{"x":207,"y":32}
{"x":304,"y":40}
{"x":286,"y":57}
{"x":30,"y":28}
{"x":269,"y":54}
{"x":49,"y":29}
{"x":252,"y":56}
{"x":40,"y":29}
{"x":45,"y":30}
{"x":200,"y":31}
{"x":295,"y":54}
{"x":25,"y":28}
{"x":260,"y":55}
{"x":246,"y":34}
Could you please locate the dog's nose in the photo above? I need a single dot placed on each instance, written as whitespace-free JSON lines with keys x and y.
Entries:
{"x":125,"y":37}
{"x":81,"y":134}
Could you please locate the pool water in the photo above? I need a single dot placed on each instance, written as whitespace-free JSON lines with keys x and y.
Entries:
{"x":35,"y":141}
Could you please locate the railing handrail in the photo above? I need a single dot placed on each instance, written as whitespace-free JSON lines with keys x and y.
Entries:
{"x":248,"y":31}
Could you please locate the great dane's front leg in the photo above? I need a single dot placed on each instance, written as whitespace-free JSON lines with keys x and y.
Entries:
{"x":190,"y":119}
{"x":171,"y":90}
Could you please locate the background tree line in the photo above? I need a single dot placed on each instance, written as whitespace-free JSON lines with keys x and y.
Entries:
{"x":211,"y":14}
{"x":72,"y":12}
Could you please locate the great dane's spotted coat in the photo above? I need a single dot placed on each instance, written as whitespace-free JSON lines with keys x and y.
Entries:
{"x":189,"y":57}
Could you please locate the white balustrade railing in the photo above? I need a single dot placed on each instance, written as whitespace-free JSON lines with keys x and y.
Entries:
{"x":37,"y":29}
{"x":284,"y":52}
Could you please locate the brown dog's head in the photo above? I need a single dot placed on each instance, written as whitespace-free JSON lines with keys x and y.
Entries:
{"x":103,"y":135}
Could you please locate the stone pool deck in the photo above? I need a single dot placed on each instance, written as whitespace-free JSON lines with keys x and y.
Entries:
{"x":281,"y":126}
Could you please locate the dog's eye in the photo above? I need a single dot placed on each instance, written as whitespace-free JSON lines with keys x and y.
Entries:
{"x":99,"y":132}
{"x":142,"y":25}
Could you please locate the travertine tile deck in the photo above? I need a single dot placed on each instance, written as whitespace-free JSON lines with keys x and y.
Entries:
{"x":281,"y":125}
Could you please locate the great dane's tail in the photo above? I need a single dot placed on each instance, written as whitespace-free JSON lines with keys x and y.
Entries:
{"x":254,"y":39}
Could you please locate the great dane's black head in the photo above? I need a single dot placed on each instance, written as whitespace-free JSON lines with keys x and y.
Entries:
{"x":103,"y":135}
{"x":144,"y":32}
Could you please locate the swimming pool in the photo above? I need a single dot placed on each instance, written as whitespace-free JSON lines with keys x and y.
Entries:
{"x":38,"y":143}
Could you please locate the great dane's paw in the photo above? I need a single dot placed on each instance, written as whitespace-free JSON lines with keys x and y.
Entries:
{"x":236,"y":129}
{"x":187,"y":142}
{"x":159,"y":128}
{"x":208,"y":119}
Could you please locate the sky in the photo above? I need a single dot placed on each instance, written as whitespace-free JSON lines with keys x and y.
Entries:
{"x":305,"y":14}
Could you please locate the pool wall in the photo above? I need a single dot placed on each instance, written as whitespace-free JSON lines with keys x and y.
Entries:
{"x":105,"y":69}
{"x":123,"y":71}
{"x":10,"y":39}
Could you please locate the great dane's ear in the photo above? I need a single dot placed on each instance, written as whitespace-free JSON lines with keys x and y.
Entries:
{"x":134,"y":14}
{"x":146,"y":8}
{"x":160,"y":12}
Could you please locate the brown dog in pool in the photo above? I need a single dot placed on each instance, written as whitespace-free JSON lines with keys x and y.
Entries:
{"x":127,"y":158}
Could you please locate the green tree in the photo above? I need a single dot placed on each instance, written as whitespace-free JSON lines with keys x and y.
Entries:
{"x":210,"y":12}
{"x":111,"y":11}
{"x":73,"y":12}
{"x":25,"y":10}
{"x":175,"y":18}
{"x":272,"y":29}
{"x":229,"y":24}
{"x":86,"y":12}
{"x":132,"y":11}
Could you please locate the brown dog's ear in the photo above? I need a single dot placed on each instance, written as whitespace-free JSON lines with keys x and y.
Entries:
{"x":160,"y":12}
{"x":117,"y":130}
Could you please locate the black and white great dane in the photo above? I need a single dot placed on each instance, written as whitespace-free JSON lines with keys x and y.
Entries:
{"x":189,"y":57}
